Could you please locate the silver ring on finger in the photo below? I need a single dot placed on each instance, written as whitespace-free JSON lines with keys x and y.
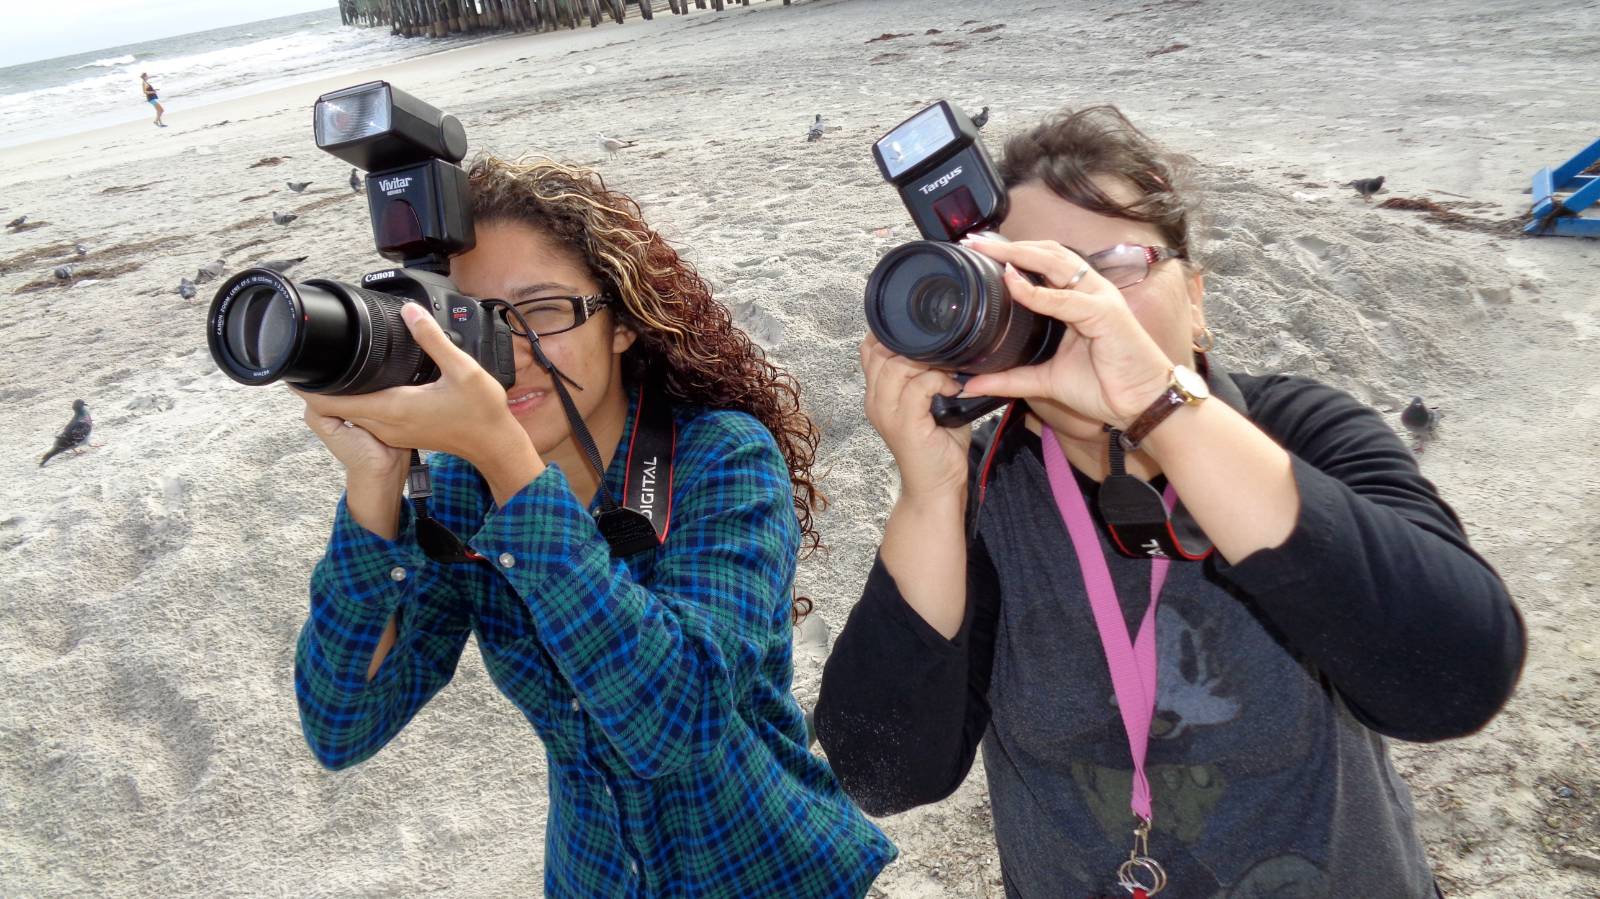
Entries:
{"x":1077,"y":278}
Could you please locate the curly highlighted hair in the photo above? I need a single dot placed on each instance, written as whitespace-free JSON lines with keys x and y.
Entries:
{"x":687,"y":341}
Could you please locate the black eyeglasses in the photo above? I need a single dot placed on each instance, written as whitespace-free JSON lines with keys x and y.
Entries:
{"x":1126,"y":264}
{"x":553,"y":315}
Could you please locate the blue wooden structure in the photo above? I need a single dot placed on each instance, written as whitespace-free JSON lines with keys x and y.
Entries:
{"x":1557,"y":215}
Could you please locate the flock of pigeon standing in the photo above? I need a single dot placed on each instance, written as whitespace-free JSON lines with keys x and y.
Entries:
{"x":1417,"y":417}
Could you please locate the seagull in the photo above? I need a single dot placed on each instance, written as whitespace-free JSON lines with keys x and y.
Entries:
{"x":210,"y":270}
{"x":611,"y":145}
{"x":355,"y":181}
{"x":283,"y":218}
{"x":981,"y":119}
{"x":186,"y":288}
{"x":297,"y":186}
{"x":16,"y":223}
{"x":75,"y":435}
{"x":815,"y":131}
{"x":80,"y":249}
{"x":64,"y":272}
{"x":282,"y":265}
{"x":1366,"y":187}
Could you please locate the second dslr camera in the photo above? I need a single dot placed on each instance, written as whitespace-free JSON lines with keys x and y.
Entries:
{"x":934,"y":300}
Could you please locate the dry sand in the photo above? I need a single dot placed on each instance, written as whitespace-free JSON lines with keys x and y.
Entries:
{"x":155,"y":584}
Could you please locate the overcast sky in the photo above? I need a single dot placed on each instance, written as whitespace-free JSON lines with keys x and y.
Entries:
{"x":43,"y":30}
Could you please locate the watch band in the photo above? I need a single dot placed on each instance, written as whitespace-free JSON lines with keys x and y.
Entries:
{"x":1157,"y":412}
{"x":1184,"y":388}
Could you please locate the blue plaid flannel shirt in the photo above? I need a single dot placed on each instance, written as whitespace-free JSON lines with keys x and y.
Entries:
{"x":659,"y":683}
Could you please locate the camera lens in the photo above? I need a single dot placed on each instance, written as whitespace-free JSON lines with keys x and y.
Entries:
{"x":947,"y":306}
{"x":322,"y":336}
{"x":935,"y":304}
{"x":261,"y":331}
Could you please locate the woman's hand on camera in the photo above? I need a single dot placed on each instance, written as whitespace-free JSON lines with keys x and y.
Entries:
{"x":1108,"y":367}
{"x":463,"y":413}
{"x":932,"y":459}
{"x":366,"y":459}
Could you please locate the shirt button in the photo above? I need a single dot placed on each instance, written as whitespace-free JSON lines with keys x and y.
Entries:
{"x":397,"y":574}
{"x":507,"y":560}
{"x":575,"y":706}
{"x":633,"y":867}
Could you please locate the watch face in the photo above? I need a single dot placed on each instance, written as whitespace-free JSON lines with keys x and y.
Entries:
{"x":1191,"y":382}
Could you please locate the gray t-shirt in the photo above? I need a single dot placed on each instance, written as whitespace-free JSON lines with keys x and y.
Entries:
{"x":1248,"y":744}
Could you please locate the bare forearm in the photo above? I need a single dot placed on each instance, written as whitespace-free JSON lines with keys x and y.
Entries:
{"x":508,"y":464}
{"x":375,"y":505}
{"x":925,"y":551}
{"x":1236,"y":482}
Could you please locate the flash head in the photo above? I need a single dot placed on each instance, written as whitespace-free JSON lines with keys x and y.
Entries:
{"x":376,"y":126}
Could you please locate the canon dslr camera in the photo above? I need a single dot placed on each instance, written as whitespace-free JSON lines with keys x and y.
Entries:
{"x":934,"y":300}
{"x":328,"y":336}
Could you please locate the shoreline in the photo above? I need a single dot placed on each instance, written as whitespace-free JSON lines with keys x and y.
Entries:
{"x":188,"y":127}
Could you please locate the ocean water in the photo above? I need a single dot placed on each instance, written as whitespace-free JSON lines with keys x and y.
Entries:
{"x":68,"y":94}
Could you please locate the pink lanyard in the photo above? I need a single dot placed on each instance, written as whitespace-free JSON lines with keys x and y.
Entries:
{"x":1132,"y":664}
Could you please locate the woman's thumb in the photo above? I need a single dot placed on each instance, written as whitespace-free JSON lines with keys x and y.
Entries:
{"x":428,"y":335}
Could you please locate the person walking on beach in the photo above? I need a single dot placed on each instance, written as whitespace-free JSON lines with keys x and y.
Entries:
{"x":1232,"y":738}
{"x":657,"y":680}
{"x":152,"y":98}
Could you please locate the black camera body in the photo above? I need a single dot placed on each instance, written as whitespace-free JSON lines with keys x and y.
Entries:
{"x":934,"y":300}
{"x":327,"y":336}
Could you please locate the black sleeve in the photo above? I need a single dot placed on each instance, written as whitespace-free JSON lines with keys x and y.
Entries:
{"x":902,"y":709}
{"x":1376,"y":586}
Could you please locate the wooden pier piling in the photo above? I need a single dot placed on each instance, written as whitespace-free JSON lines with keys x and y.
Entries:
{"x":440,"y":18}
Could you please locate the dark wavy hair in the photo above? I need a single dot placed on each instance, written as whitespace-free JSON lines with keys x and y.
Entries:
{"x":687,"y":341}
{"x":1069,"y":149}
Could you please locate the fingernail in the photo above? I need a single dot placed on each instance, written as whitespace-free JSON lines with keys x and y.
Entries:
{"x":411,"y":312}
{"x":1011,"y":271}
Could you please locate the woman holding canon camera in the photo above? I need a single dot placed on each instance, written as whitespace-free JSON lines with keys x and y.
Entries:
{"x":1150,"y":720}
{"x":658,"y":681}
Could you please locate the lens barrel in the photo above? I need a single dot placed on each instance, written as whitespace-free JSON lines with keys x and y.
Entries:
{"x":947,"y":306}
{"x":321,"y":336}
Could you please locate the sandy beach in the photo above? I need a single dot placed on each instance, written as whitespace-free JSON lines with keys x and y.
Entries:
{"x":155,"y":583}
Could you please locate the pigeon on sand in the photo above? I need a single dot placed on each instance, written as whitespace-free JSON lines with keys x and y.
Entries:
{"x":283,"y":218}
{"x":282,"y":265}
{"x":210,"y":270}
{"x":355,"y":180}
{"x":76,"y":433}
{"x":298,"y":186}
{"x":186,"y":288}
{"x":1366,"y":187}
{"x":981,"y":119}
{"x":814,"y":133}
{"x":1419,"y":419}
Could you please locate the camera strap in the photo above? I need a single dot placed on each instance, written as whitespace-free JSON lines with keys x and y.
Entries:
{"x":1142,"y":522}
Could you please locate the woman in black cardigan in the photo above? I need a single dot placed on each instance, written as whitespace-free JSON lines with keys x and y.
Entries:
{"x":1341,"y":605}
